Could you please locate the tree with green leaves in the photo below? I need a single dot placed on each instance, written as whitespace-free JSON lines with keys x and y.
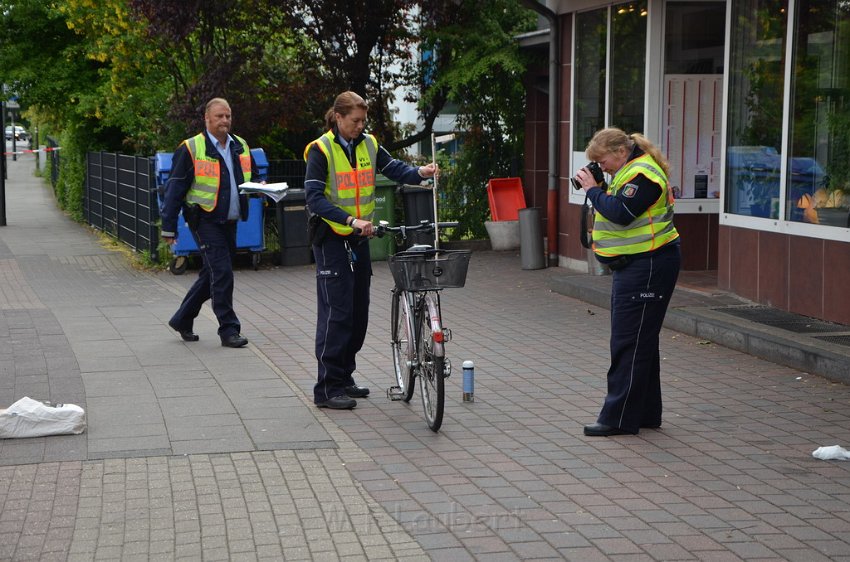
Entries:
{"x":480,"y":73}
{"x":133,"y":75}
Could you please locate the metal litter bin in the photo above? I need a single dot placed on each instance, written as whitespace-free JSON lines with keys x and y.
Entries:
{"x":530,"y":238}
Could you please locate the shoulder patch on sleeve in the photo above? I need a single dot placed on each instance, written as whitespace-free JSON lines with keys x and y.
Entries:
{"x":629,"y":190}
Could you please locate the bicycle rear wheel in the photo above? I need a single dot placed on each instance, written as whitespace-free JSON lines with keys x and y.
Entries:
{"x":431,"y":373}
{"x":403,"y":343}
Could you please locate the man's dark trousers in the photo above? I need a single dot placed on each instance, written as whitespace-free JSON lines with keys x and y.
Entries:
{"x":343,"y":312}
{"x":640,"y":294}
{"x":217,"y":244}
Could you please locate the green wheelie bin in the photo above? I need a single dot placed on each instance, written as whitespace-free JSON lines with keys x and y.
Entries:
{"x":382,"y":248}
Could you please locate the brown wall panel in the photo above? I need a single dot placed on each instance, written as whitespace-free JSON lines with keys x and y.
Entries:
{"x":564,"y":150}
{"x":773,"y":269}
{"x":573,"y":222}
{"x":541,"y":144}
{"x":713,"y":241}
{"x":805,"y":275}
{"x":693,"y":230}
{"x":743,"y":263}
{"x":724,"y":279}
{"x":799,"y":274}
{"x":836,"y":282}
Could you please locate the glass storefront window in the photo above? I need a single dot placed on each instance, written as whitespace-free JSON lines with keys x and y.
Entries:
{"x":590,"y":55}
{"x":628,"y":65}
{"x":694,"y":37}
{"x":818,"y":180}
{"x":754,"y":124}
{"x":627,"y":70}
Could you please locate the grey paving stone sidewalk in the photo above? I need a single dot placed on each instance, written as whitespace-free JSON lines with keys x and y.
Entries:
{"x":730,"y":475}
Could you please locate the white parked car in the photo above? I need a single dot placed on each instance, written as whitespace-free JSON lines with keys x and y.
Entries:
{"x":21,"y":134}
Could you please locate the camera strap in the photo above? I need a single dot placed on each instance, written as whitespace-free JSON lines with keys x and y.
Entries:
{"x":585,"y":210}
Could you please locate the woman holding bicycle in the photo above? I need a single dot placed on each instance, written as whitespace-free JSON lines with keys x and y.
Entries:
{"x":340,"y":192}
{"x":633,"y":233}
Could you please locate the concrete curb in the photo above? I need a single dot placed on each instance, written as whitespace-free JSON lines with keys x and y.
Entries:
{"x":799,"y":351}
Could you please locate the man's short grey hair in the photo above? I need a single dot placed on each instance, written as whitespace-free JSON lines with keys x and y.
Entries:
{"x":215,"y":101}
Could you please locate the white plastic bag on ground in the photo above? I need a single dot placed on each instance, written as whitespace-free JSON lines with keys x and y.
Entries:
{"x":835,"y":452}
{"x":31,"y":418}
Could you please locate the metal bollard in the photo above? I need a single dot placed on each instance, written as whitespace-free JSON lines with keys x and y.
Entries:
{"x":468,"y":381}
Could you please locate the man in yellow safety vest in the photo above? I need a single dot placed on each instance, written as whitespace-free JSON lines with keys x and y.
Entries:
{"x":206,"y":172}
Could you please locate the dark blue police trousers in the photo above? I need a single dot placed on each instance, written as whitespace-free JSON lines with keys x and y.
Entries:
{"x":343,"y":311}
{"x":640,"y":294}
{"x":217,"y":245}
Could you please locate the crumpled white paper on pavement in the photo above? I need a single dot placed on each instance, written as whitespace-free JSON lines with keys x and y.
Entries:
{"x":31,"y":418}
{"x":835,"y":452}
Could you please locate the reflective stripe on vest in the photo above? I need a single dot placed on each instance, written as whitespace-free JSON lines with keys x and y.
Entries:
{"x":651,"y":230}
{"x":204,"y":189}
{"x":350,"y":189}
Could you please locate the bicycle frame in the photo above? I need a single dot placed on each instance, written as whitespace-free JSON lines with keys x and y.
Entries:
{"x":417,"y":336}
{"x":419,"y":303}
{"x":432,"y":301}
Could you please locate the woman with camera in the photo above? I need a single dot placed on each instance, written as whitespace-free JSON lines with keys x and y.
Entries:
{"x":634,"y":235}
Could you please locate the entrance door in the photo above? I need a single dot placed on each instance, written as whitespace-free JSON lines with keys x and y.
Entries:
{"x":693,"y":96}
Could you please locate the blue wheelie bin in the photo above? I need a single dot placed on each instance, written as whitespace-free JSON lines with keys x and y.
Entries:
{"x":249,"y":233}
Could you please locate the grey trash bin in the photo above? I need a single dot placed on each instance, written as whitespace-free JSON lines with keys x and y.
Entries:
{"x":531,"y":239}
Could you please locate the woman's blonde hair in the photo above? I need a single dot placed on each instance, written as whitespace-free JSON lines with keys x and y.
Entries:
{"x":611,"y":140}
{"x":344,"y":104}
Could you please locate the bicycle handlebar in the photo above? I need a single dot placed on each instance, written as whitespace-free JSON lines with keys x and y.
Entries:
{"x":384,"y":227}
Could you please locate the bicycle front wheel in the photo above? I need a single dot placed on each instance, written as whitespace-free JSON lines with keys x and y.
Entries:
{"x":403,"y":343}
{"x":431,"y":368}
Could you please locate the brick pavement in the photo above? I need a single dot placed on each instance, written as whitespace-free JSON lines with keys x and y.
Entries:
{"x":729,"y":477}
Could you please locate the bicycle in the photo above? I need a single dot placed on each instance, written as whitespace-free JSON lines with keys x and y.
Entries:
{"x":417,"y":334}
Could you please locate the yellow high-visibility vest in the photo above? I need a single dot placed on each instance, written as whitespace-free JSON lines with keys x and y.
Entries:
{"x":651,"y":230}
{"x":204,"y":189}
{"x":350,"y":189}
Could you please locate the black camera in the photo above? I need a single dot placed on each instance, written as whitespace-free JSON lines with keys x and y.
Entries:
{"x":594,"y":170}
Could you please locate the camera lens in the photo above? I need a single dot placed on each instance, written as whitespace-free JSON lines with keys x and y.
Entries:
{"x":576,"y":184}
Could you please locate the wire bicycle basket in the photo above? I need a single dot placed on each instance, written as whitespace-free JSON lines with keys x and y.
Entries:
{"x":430,"y":270}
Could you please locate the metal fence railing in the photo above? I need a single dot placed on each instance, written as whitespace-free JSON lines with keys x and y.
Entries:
{"x":120,"y":199}
{"x":290,"y":171}
{"x":120,"y":196}
{"x":55,"y":159}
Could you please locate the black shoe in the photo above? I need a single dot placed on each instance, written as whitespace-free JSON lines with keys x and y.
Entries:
{"x":338,"y":403}
{"x":355,"y":391}
{"x":602,"y":430}
{"x":236,"y":340}
{"x":187,"y":335}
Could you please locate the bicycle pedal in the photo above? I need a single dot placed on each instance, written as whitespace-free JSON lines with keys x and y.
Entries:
{"x":447,"y":335}
{"x":447,"y":368}
{"x":395,"y":393}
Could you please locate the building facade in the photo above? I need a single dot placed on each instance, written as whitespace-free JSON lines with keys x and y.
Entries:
{"x":750,"y":102}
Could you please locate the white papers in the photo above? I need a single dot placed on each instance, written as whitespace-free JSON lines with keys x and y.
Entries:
{"x":275,"y":191}
{"x":834,"y":452}
{"x":31,"y":418}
